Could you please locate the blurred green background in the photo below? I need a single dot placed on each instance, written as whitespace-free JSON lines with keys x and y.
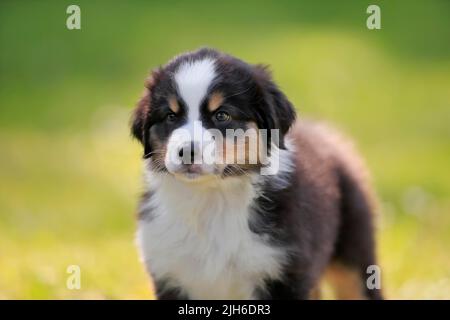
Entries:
{"x":70,"y":174}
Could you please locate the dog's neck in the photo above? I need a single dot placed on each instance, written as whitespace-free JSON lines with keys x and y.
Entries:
{"x":209,"y":197}
{"x":213,"y":196}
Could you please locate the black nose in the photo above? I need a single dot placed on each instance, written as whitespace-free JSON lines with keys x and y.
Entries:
{"x":187,"y":153}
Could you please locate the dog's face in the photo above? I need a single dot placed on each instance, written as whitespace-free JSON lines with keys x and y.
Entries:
{"x":201,"y":116}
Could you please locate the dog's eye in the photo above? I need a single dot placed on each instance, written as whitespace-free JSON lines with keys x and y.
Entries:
{"x":171,"y":117}
{"x":222,"y":116}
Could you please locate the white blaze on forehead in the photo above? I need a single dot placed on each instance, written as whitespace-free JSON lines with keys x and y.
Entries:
{"x":193,"y":79}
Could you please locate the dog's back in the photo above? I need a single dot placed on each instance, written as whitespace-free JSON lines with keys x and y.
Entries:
{"x":336,"y":208}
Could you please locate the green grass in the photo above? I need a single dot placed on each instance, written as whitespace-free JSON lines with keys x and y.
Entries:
{"x":70,"y":174}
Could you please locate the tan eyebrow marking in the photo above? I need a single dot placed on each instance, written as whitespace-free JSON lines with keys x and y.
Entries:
{"x":215,"y":101}
{"x":173,"y":104}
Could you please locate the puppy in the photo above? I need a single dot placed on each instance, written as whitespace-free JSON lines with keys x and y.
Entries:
{"x":266,"y":229}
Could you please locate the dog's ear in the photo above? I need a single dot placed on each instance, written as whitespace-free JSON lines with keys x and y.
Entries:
{"x":139,"y":119}
{"x":277,"y":112}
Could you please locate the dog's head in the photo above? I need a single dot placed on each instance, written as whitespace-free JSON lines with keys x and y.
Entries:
{"x":208,"y":114}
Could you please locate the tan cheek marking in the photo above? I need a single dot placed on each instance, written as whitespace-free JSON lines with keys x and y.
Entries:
{"x":315,"y":293}
{"x":173,"y":105}
{"x":215,"y":101}
{"x":347,"y":283}
{"x":250,"y":147}
{"x":255,"y":147}
{"x":158,"y":153}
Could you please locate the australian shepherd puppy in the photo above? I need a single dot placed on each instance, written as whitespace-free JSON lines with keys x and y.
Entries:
{"x":242,"y":201}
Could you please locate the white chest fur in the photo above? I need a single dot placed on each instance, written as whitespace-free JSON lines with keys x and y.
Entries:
{"x":199,"y":236}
